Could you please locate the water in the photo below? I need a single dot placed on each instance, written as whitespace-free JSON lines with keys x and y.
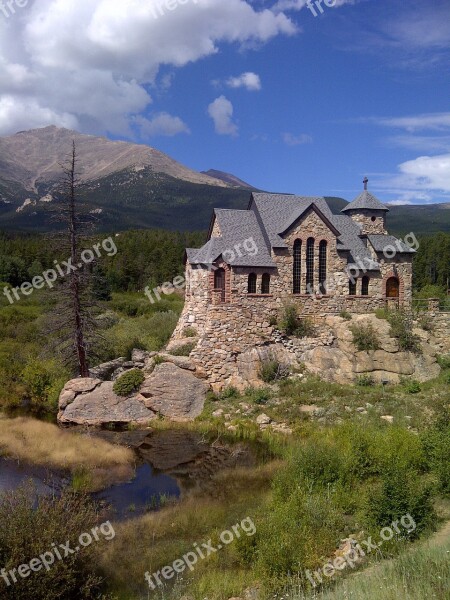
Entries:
{"x":169,"y":465}
{"x":14,"y":474}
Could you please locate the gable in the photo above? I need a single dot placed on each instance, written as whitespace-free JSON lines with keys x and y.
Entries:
{"x":310,"y":223}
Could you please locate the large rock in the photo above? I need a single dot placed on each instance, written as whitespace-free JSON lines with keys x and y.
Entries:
{"x":170,"y":391}
{"x":102,"y":406}
{"x":174,"y":392}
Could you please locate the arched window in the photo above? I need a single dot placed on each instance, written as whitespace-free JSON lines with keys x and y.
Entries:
{"x":323,"y":267}
{"x":219,"y":283}
{"x":352,"y":287}
{"x":365,"y":286}
{"x":265,"y":284}
{"x":252,"y":283}
{"x":310,"y":266}
{"x":297,"y":267}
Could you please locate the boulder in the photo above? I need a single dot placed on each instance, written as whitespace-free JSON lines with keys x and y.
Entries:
{"x":263,"y":420}
{"x":105,"y":370}
{"x":174,"y":392}
{"x":102,"y":406}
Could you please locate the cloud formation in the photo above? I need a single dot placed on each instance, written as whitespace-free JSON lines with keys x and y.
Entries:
{"x":88,"y":64}
{"x":250,"y":81}
{"x":296,"y":140}
{"x":221,"y":112}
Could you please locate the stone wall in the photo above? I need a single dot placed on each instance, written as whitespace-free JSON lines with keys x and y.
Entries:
{"x":372,"y":222}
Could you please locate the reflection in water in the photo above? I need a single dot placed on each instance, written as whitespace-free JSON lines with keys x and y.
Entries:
{"x":169,"y":464}
{"x":14,"y":474}
{"x":140,"y":495}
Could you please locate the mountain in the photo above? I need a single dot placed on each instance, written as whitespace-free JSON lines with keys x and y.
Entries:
{"x":228,"y":178}
{"x":420,"y":219}
{"x":124,"y":185}
{"x":131,"y":186}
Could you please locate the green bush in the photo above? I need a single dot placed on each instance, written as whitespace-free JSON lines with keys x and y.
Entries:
{"x":290,"y":323}
{"x":190,"y":332}
{"x":272,"y":370}
{"x":43,"y":381}
{"x":229,"y":393}
{"x":344,"y":314}
{"x":444,"y":361}
{"x":259,"y":396}
{"x":28,"y":528}
{"x":365,"y":381}
{"x":412,"y":386}
{"x":401,"y":323}
{"x":184,"y":350}
{"x":129,"y":382}
{"x":400,"y":492}
{"x":365,"y":337}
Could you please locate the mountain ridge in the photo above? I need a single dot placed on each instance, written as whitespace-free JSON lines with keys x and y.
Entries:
{"x":133,"y":186}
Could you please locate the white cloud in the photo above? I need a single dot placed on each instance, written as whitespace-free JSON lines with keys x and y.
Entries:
{"x":286,"y":5}
{"x":429,"y":121}
{"x":422,"y":143}
{"x":251,"y":81}
{"x":296,"y":140}
{"x":88,"y":63}
{"x":161,"y":124}
{"x":221,"y":112}
{"x":425,"y":178}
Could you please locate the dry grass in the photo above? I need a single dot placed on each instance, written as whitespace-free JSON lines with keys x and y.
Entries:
{"x":44,"y":444}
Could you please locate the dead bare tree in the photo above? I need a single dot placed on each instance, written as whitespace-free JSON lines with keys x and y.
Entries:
{"x":71,"y":321}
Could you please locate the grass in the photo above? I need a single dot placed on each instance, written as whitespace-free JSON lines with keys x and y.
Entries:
{"x":93,"y":463}
{"x":421,"y":573}
{"x":158,"y":539}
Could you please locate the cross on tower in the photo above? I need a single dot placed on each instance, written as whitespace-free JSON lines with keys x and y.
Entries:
{"x":365,"y":182}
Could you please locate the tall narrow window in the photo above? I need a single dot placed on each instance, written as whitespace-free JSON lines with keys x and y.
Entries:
{"x":219,"y":283}
{"x":297,"y":267}
{"x":252,"y":283}
{"x":365,"y":286}
{"x":265,"y":284}
{"x":310,"y":266}
{"x":323,"y":267}
{"x":352,"y":287}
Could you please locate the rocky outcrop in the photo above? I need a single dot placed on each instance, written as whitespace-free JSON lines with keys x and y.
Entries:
{"x":174,"y":392}
{"x":169,"y":390}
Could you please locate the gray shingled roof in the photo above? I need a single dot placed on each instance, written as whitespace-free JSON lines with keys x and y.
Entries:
{"x":270,"y":215}
{"x":242,"y":240}
{"x":366,"y":200}
{"x":380,"y":242}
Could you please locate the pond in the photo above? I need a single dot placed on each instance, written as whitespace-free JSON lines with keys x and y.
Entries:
{"x":168,"y":465}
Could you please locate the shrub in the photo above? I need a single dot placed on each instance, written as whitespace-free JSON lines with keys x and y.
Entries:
{"x":344,"y":314}
{"x":290,"y":323}
{"x":402,"y":325}
{"x":44,"y":380}
{"x":29,"y":527}
{"x":288,"y":319}
{"x":365,"y":381}
{"x":228,"y":393}
{"x":259,"y":396}
{"x":436,"y":441}
{"x":184,"y":350}
{"x":365,"y":337}
{"x":425,"y":321}
{"x":272,"y":370}
{"x":381,"y":313}
{"x":190,"y":332}
{"x":412,"y":386}
{"x":129,"y":382}
{"x":444,"y":361}
{"x":401,"y":491}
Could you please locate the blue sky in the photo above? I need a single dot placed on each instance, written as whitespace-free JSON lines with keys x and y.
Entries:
{"x":286,"y":100}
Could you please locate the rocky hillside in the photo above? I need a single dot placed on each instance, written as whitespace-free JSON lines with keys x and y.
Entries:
{"x":124,"y":185}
